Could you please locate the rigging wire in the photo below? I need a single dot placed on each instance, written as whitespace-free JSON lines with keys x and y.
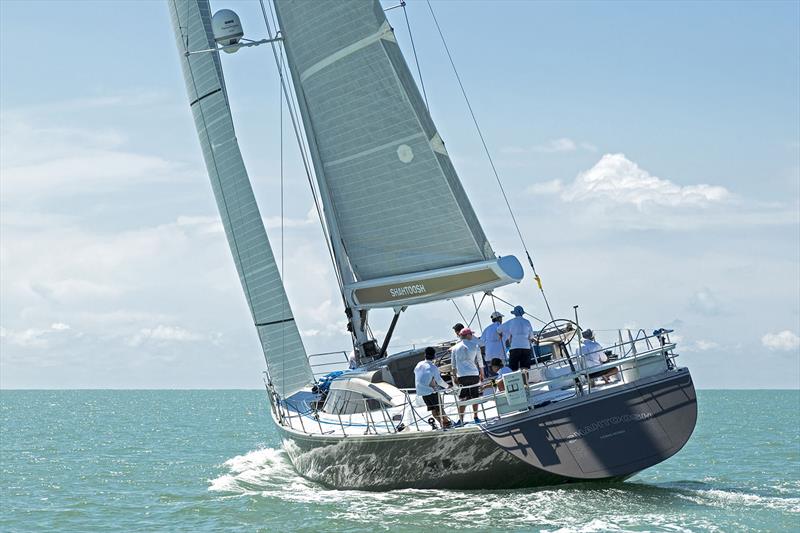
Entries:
{"x":283,"y":277}
{"x":491,"y":161}
{"x":512,"y":305}
{"x":477,"y":308}
{"x":280,"y":135}
{"x":416,"y":59}
{"x":300,"y":141}
{"x":292,"y":101}
{"x":459,"y":311}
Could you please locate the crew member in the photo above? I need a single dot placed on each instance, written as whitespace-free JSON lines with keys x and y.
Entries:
{"x":426,"y":380}
{"x":519,"y":332}
{"x":491,"y":344}
{"x":594,"y":354}
{"x":498,"y":370}
{"x":467,"y":371}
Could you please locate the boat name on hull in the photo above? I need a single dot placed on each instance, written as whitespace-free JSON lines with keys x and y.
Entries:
{"x":606,"y":422}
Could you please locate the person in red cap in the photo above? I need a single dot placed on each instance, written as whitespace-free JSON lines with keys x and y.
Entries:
{"x":467,"y":371}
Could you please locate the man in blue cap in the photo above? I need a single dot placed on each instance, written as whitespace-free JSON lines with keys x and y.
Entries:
{"x":519,"y":332}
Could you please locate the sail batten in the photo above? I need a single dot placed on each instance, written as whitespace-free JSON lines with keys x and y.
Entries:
{"x":391,"y":192}
{"x":285,"y":355}
{"x":385,"y":32}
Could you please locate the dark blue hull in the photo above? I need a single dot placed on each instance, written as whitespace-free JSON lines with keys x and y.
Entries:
{"x":608,"y":436}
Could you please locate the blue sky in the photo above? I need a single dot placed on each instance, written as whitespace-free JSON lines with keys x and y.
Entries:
{"x":652,"y":153}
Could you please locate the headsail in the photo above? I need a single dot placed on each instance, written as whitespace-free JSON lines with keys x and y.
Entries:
{"x":396,"y":208}
{"x":286,"y":358}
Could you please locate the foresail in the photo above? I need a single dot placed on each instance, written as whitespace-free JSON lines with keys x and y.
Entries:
{"x":391,"y":192}
{"x":287,"y":363}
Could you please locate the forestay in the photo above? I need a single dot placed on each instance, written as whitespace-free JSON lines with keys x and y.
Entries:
{"x":286,"y":358}
{"x":392,"y":199}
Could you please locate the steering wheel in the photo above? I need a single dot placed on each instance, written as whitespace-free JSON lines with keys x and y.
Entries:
{"x":561,"y":329}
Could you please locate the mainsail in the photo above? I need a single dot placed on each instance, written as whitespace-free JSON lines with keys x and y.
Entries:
{"x":287,"y":363}
{"x":399,"y":219}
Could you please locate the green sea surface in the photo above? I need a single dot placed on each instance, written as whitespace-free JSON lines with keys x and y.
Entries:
{"x":211,"y":461}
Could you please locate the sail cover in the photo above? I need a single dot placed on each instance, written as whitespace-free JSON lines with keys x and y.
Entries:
{"x":287,"y":363}
{"x":390,"y":191}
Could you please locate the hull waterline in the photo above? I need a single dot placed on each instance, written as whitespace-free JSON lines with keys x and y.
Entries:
{"x":609,"y":436}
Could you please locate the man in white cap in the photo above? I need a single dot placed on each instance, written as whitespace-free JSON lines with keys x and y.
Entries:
{"x":595,"y":355}
{"x":520,"y":333}
{"x":491,"y":344}
{"x":467,"y":371}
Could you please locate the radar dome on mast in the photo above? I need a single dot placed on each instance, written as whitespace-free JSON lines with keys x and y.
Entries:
{"x":227,"y":29}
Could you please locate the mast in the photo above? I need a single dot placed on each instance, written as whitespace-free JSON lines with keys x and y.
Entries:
{"x":356,"y":321}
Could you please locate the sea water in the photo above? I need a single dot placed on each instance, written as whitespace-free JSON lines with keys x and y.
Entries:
{"x":212,"y":461}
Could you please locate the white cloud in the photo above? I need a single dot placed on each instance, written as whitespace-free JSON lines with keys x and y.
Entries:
{"x":616,"y":193}
{"x":704,"y":345}
{"x":40,"y":160}
{"x":553,"y":146}
{"x":85,"y":172}
{"x":557,"y":145}
{"x":545,"y":187}
{"x":705,"y":301}
{"x":617,"y":179}
{"x":32,"y":337}
{"x":128,"y":98}
{"x":27,"y":338}
{"x":165,"y":334}
{"x":289,"y":222}
{"x":202,"y":224}
{"x":69,"y":289}
{"x":784,"y":341}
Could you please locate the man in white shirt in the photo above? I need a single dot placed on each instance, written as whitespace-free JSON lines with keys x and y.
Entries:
{"x":426,"y":379}
{"x":491,"y":344}
{"x":520,"y":333}
{"x":467,"y":371}
{"x":594,"y":354}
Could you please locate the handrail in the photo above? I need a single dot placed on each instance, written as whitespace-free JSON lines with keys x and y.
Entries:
{"x":320,"y":368}
{"x":317,"y":365}
{"x":409,"y":417}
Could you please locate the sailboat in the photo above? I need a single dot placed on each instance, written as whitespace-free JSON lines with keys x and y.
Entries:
{"x":379,"y":167}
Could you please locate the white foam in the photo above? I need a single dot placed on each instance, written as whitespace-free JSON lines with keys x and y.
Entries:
{"x":269,"y":473}
{"x":725,"y":498}
{"x":255,"y":459}
{"x":255,"y":471}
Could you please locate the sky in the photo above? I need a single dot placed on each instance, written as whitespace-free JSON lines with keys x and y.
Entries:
{"x":651,"y":151}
